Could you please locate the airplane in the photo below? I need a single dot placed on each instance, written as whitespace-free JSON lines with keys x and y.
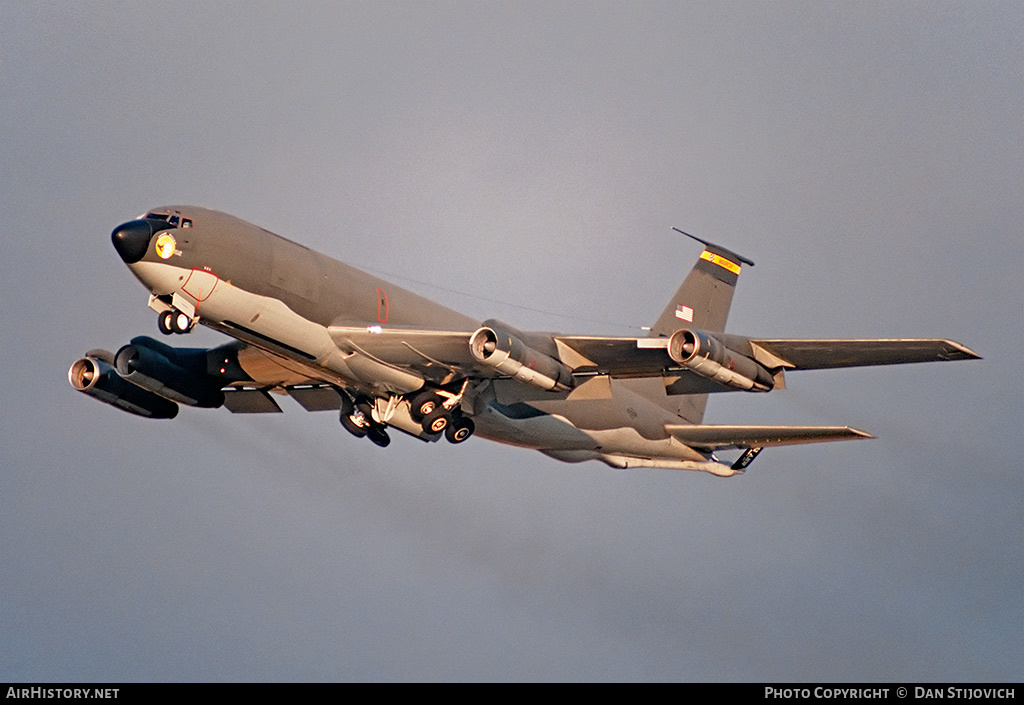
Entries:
{"x":335,"y":338}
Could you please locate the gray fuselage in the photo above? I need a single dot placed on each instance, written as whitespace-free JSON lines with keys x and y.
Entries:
{"x":281,"y":298}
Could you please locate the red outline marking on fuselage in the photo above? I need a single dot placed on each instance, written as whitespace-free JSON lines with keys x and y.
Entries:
{"x":200,"y":298}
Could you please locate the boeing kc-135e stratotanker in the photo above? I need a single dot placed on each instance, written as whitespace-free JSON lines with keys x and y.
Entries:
{"x":333,"y":337}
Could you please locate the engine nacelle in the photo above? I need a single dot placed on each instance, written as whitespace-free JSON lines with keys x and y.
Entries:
{"x":98,"y":379}
{"x":705,"y":355}
{"x":510,"y":356}
{"x":175,"y":374}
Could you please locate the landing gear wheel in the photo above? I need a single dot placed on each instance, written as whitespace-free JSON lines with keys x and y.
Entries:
{"x":459,"y":430}
{"x":353,"y":419}
{"x":163,"y":322}
{"x":180,"y":322}
{"x":423,"y":405}
{"x":366,"y":409}
{"x":379,"y":436}
{"x":437,"y":421}
{"x":350,"y":423}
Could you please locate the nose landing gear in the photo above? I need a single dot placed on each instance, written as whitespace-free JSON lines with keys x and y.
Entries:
{"x":172,"y":321}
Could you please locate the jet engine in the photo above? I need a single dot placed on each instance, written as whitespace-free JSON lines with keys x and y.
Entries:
{"x":98,"y":379}
{"x":172,"y":373}
{"x":705,"y":355}
{"x":507,"y":354}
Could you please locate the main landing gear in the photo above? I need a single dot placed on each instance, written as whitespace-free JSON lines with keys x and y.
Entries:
{"x":430,"y":414}
{"x":357,"y":419}
{"x":172,"y":321}
{"x":437,"y":414}
{"x":459,"y":429}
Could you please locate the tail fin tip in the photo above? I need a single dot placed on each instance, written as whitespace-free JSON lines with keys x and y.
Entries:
{"x":717,"y":249}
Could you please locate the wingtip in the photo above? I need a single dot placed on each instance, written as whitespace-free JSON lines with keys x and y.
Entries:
{"x":965,"y":353}
{"x":971,"y":355}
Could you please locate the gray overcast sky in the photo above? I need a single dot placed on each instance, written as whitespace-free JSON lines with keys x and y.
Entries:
{"x":868,"y":156}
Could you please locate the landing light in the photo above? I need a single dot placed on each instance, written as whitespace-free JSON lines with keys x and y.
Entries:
{"x":165,"y":245}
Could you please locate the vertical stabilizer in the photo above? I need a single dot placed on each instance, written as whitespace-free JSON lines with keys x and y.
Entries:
{"x":702,"y":302}
{"x":704,"y":298}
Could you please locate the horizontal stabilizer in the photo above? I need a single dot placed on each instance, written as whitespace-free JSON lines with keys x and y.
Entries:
{"x":825,"y":354}
{"x":717,"y":437}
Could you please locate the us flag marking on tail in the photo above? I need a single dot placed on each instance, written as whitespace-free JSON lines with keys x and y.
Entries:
{"x":685,"y":313}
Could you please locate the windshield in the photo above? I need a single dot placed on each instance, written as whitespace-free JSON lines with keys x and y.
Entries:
{"x":173,"y":218}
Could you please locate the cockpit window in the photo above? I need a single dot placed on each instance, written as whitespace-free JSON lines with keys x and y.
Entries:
{"x":174,"y":219}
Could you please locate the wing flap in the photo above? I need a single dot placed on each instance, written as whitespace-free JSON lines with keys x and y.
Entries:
{"x":316,"y":397}
{"x":719,"y":437}
{"x":619,"y":356}
{"x":249,"y":401}
{"x":825,"y":354}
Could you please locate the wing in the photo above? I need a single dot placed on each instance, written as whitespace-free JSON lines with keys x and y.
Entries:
{"x":625,"y":356}
{"x":440,"y":355}
{"x":436,"y":355}
{"x":443,"y":356}
{"x":826,"y":354}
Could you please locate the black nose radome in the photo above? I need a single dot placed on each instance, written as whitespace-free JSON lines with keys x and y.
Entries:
{"x":131,"y":239}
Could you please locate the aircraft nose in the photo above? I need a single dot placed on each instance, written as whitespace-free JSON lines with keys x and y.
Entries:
{"x":131,"y":239}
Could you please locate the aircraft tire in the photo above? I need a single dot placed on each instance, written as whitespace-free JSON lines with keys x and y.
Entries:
{"x":459,"y":430}
{"x":424,"y":404}
{"x":180,"y":323}
{"x":348,"y":420}
{"x":163,"y":322}
{"x":437,"y":421}
{"x":379,"y":436}
{"x":350,"y":425}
